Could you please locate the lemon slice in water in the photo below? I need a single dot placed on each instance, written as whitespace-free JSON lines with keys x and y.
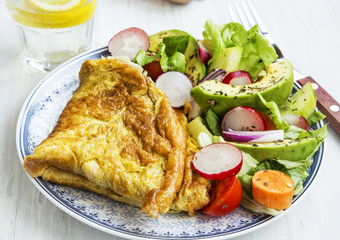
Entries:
{"x":54,"y":13}
{"x":55,"y":5}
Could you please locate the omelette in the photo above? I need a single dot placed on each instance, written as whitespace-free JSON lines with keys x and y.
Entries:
{"x":118,"y":136}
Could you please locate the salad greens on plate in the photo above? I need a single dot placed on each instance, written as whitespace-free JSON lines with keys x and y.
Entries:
{"x":238,"y":96}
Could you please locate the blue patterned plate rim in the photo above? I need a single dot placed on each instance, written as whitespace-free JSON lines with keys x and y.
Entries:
{"x":70,"y":200}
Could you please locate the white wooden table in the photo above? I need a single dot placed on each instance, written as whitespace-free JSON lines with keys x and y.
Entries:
{"x":306,"y":30}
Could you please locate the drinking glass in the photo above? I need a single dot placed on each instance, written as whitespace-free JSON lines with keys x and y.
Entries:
{"x":52,"y":31}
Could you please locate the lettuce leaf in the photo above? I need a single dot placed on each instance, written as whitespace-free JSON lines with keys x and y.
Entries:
{"x":213,"y":32}
{"x":315,"y":117}
{"x":249,"y":203}
{"x":143,"y":58}
{"x":257,"y":52}
{"x":234,"y":35}
{"x":213,"y":123}
{"x":171,"y":51}
{"x":176,"y":62}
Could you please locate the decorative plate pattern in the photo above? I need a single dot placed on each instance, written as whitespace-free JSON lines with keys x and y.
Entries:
{"x":38,"y":116}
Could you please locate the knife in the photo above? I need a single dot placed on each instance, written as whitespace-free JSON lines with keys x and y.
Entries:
{"x":325,"y":103}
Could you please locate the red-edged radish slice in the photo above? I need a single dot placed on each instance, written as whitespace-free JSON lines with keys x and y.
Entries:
{"x":203,"y":53}
{"x":238,"y":78}
{"x":215,"y":74}
{"x":128,"y":42}
{"x":296,"y":120}
{"x":253,"y":137}
{"x":176,"y":87}
{"x":218,"y":161}
{"x":243,"y":119}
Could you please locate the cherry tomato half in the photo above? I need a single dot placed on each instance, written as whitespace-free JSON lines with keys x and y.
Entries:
{"x":225,"y":197}
{"x":268,"y":121}
{"x":154,"y":70}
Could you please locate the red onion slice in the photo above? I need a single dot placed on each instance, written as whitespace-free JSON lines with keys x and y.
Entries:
{"x":253,"y":137}
{"x":215,"y":74}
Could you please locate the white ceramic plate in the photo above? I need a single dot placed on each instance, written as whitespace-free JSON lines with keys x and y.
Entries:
{"x":37,"y":119}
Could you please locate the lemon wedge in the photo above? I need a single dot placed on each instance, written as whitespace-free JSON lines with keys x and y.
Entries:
{"x":55,"y":5}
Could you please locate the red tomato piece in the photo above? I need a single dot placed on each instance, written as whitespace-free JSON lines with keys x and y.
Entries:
{"x":268,"y":121}
{"x":225,"y":197}
{"x":154,"y":70}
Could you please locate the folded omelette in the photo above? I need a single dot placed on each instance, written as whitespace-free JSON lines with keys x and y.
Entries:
{"x":118,"y":136}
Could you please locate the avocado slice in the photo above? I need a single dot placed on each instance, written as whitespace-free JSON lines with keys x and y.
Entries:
{"x":287,"y":149}
{"x":303,"y":102}
{"x":229,"y":59}
{"x":195,"y":68}
{"x":275,"y":86}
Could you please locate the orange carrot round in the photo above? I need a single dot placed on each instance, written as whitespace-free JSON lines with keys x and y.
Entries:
{"x":273,"y":189}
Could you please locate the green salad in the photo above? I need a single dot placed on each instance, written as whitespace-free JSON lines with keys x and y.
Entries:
{"x":240,"y":99}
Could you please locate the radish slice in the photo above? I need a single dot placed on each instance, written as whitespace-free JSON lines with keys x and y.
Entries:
{"x":176,"y":87}
{"x":253,"y":137}
{"x":218,"y":161}
{"x":238,"y":78}
{"x":243,"y":119}
{"x":296,"y":120}
{"x":128,"y":42}
{"x":204,"y":54}
{"x":215,"y":74}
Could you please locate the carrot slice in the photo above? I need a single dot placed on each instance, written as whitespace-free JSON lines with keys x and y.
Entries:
{"x":273,"y":189}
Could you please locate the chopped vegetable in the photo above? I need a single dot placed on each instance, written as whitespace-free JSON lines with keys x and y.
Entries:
{"x":296,"y":120}
{"x":215,"y":74}
{"x":273,"y":189}
{"x":196,"y":110}
{"x":197,"y":126}
{"x":176,"y":86}
{"x":268,"y":121}
{"x":254,"y":137}
{"x":154,"y":70}
{"x":204,"y":54}
{"x":225,"y":197}
{"x":243,"y":119}
{"x":218,"y":161}
{"x":238,"y":78}
{"x":171,"y":52}
{"x":129,"y":42}
{"x":213,"y":122}
{"x":256,"y":51}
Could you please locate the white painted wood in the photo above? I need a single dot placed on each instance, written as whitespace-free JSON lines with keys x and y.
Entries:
{"x":306,"y":30}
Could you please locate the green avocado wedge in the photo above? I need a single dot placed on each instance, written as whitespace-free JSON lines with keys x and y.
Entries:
{"x":275,"y":86}
{"x":303,"y":102}
{"x":195,"y":68}
{"x":287,"y":149}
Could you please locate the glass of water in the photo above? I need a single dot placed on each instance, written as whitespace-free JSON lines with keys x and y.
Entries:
{"x":52,"y":31}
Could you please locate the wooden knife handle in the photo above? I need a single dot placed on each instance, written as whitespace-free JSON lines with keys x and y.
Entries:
{"x":326,"y":103}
